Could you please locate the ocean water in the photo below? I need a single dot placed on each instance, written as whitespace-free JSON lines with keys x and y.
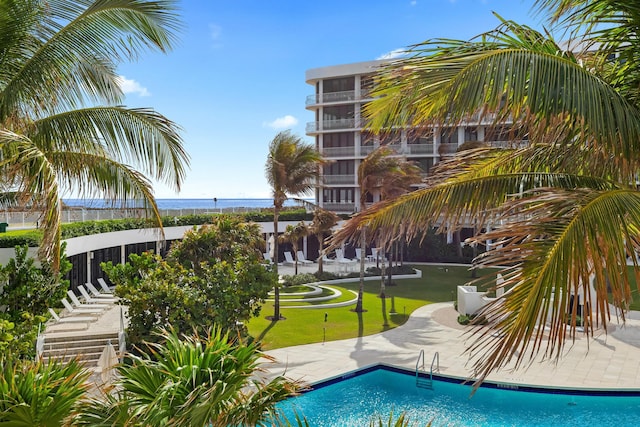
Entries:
{"x":200,"y":204}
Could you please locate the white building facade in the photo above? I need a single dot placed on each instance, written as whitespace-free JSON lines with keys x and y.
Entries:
{"x":340,"y":94}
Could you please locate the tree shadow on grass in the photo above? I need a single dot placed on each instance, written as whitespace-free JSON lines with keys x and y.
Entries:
{"x":267,"y":329}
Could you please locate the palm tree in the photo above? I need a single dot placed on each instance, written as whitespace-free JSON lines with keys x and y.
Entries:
{"x":291,"y":169}
{"x":565,"y":208}
{"x":382,"y":172}
{"x":39,"y":393}
{"x":194,"y":381}
{"x":323,"y":222}
{"x":62,"y":126}
{"x":292,"y":235}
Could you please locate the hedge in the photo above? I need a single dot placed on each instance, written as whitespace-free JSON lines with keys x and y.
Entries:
{"x":76,"y":229}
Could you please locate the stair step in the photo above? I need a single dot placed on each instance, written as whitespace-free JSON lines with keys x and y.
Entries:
{"x":73,"y":350}
{"x":424,"y":383}
{"x":80,"y":343}
{"x":61,"y":337}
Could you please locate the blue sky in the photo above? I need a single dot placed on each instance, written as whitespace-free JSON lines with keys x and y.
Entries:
{"x":237,"y":75}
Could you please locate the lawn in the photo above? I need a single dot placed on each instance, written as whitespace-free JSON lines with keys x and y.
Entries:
{"x":304,"y":326}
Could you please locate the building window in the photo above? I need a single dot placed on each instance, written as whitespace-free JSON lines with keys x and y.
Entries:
{"x":338,"y":139}
{"x":470,"y":134}
{"x":338,"y":195}
{"x":341,"y":167}
{"x":424,"y":137}
{"x":339,"y":112}
{"x":449,"y":136}
{"x":342,"y":84}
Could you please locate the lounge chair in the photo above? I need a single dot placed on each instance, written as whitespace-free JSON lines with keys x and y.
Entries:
{"x":74,"y":299}
{"x":288,"y":259}
{"x":302,"y":259}
{"x":327,"y":260}
{"x":85,"y":311}
{"x":96,"y":299}
{"x":345,"y":263}
{"x":104,"y":286}
{"x":96,"y":293}
{"x":72,"y":319}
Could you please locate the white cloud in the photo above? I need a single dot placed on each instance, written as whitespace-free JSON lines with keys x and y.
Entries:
{"x":282,"y":122}
{"x":413,"y":3}
{"x":396,"y":53}
{"x":132,"y":86}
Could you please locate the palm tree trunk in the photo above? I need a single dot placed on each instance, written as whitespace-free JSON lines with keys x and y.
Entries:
{"x":276,"y":293}
{"x":383,"y":288}
{"x":363,"y":247}
{"x":320,"y":238}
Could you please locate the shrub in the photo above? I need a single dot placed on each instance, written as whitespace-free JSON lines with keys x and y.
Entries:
{"x":463,"y":319}
{"x":299,"y":279}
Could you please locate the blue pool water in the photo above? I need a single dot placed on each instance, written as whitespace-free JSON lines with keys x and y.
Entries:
{"x":355,"y":401}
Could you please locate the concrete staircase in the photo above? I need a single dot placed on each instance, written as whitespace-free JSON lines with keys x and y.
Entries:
{"x":86,"y":347}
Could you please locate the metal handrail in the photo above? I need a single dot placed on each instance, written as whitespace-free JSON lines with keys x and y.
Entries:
{"x":122,"y":337}
{"x":418,"y":365}
{"x":39,"y":343}
{"x":436,"y":359}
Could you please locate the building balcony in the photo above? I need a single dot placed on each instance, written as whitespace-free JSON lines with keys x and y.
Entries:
{"x":332,"y":125}
{"x":335,"y":152}
{"x":332,"y":152}
{"x":418,"y":149}
{"x":508,"y":144}
{"x":336,"y":97}
{"x":346,"y":207}
{"x":339,"y":179}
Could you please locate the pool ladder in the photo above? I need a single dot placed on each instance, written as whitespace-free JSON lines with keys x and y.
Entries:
{"x":423,"y":381}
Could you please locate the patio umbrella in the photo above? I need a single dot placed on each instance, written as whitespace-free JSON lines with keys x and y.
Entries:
{"x":107,"y":362}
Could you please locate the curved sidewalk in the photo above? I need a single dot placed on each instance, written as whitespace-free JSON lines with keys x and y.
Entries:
{"x":606,"y":361}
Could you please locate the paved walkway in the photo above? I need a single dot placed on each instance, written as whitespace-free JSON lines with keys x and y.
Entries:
{"x":606,"y":361}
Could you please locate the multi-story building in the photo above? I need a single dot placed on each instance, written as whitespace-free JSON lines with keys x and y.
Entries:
{"x":341,"y":92}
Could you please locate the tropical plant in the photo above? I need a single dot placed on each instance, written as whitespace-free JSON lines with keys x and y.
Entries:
{"x":62,"y":126}
{"x":323,"y":222}
{"x":39,"y":393}
{"x":27,"y":291}
{"x":560,"y":211}
{"x":194,"y":381}
{"x":387,"y":175}
{"x":291,"y":169}
{"x":212,"y":276}
{"x":292,"y":235}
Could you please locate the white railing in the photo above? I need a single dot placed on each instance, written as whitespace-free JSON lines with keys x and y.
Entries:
{"x":340,"y":207}
{"x":338,"y":152}
{"x":122,"y":337}
{"x":333,"y":125}
{"x":339,"y":179}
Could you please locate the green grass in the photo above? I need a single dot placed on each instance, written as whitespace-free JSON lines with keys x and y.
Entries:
{"x":304,"y":326}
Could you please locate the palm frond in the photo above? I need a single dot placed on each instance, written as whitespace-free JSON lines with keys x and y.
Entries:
{"x":141,"y":137}
{"x":561,"y":242}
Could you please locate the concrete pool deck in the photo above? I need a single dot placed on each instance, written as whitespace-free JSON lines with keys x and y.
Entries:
{"x":607,"y":361}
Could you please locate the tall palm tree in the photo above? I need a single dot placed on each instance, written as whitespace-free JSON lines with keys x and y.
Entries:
{"x":565,"y":208}
{"x":322,"y":223}
{"x":385,"y":173}
{"x":291,"y":169}
{"x":62,"y":125}
{"x":293,"y":234}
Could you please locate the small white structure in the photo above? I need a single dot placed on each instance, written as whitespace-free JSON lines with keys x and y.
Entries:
{"x":470,"y":301}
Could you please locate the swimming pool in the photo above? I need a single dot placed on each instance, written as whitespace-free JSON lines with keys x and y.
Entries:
{"x":376,"y":391}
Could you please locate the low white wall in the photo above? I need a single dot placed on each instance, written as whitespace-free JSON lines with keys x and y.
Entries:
{"x":93,"y":242}
{"x":470,"y":300}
